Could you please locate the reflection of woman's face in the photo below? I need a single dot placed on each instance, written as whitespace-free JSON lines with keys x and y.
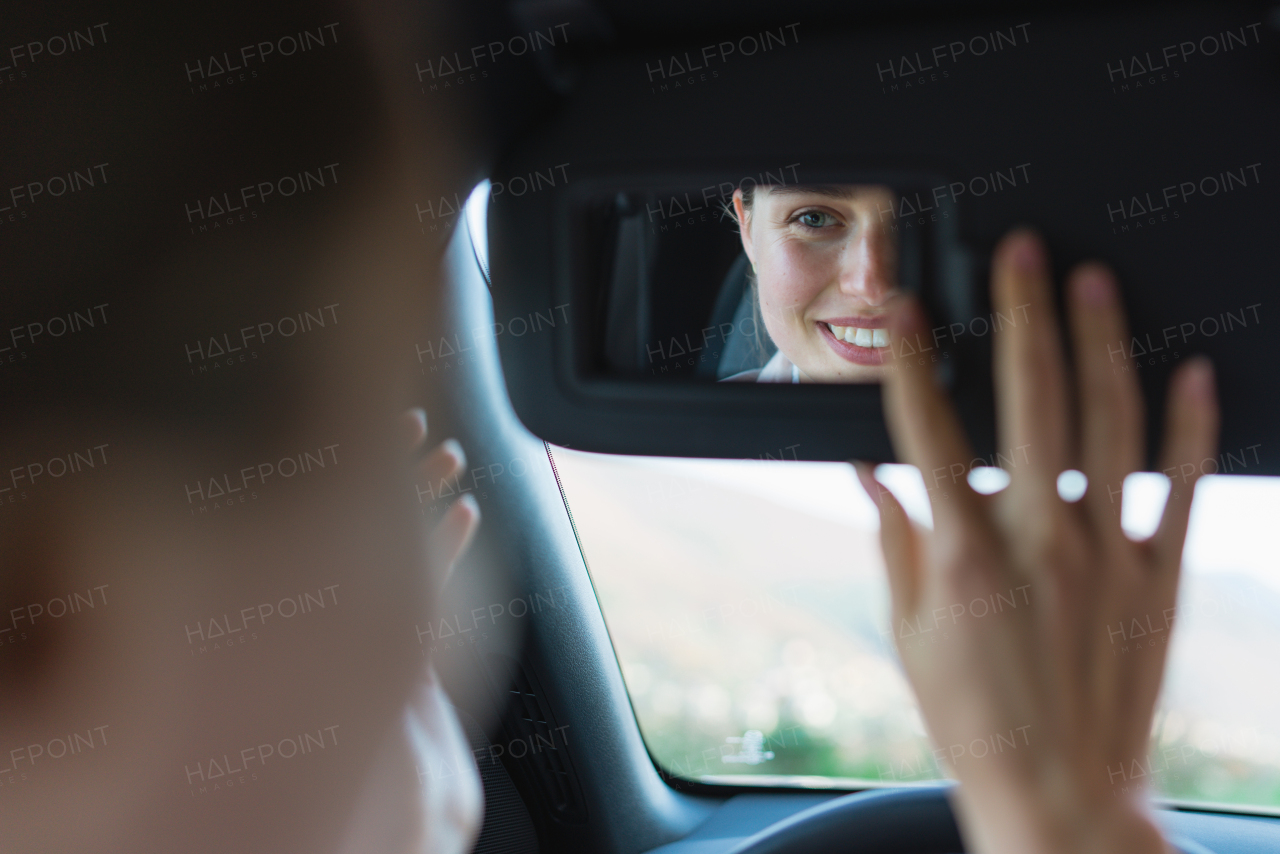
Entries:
{"x":826,"y":262}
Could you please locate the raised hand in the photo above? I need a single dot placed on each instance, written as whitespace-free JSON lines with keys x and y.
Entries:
{"x":1043,"y":673}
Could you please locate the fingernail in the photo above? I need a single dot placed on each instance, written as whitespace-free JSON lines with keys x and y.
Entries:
{"x":1094,"y":287}
{"x":454,"y":448}
{"x":415,"y":424}
{"x":469,"y":501}
{"x":1199,"y":378}
{"x":1027,"y":254}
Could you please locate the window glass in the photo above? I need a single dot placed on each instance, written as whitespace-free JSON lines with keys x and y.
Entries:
{"x":748,"y":606}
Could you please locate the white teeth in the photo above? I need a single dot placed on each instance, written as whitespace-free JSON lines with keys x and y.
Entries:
{"x":860,"y":336}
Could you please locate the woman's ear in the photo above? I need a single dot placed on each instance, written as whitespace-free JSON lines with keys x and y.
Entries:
{"x":744,"y":227}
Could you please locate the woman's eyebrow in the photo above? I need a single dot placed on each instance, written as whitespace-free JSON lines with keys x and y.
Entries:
{"x":835,"y":191}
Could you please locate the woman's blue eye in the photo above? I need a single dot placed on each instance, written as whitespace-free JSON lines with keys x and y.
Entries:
{"x":816,"y":219}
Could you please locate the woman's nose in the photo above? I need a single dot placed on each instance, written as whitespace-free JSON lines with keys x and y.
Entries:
{"x":870,"y":265}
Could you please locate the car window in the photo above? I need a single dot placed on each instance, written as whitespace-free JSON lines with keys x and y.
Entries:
{"x":748,"y":606}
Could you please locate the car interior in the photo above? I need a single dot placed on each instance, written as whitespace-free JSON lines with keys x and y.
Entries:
{"x":639,"y":113}
{"x":672,"y":632}
{"x":558,"y":682}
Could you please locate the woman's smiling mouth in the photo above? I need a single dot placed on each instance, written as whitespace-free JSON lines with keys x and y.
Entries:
{"x":860,"y":344}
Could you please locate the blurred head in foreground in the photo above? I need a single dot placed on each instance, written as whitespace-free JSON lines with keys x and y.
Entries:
{"x":210,"y":562}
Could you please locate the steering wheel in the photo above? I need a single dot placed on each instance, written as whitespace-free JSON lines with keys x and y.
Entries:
{"x":882,"y":821}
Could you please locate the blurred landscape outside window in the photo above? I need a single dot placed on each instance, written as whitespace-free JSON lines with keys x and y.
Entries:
{"x":748,"y":606}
